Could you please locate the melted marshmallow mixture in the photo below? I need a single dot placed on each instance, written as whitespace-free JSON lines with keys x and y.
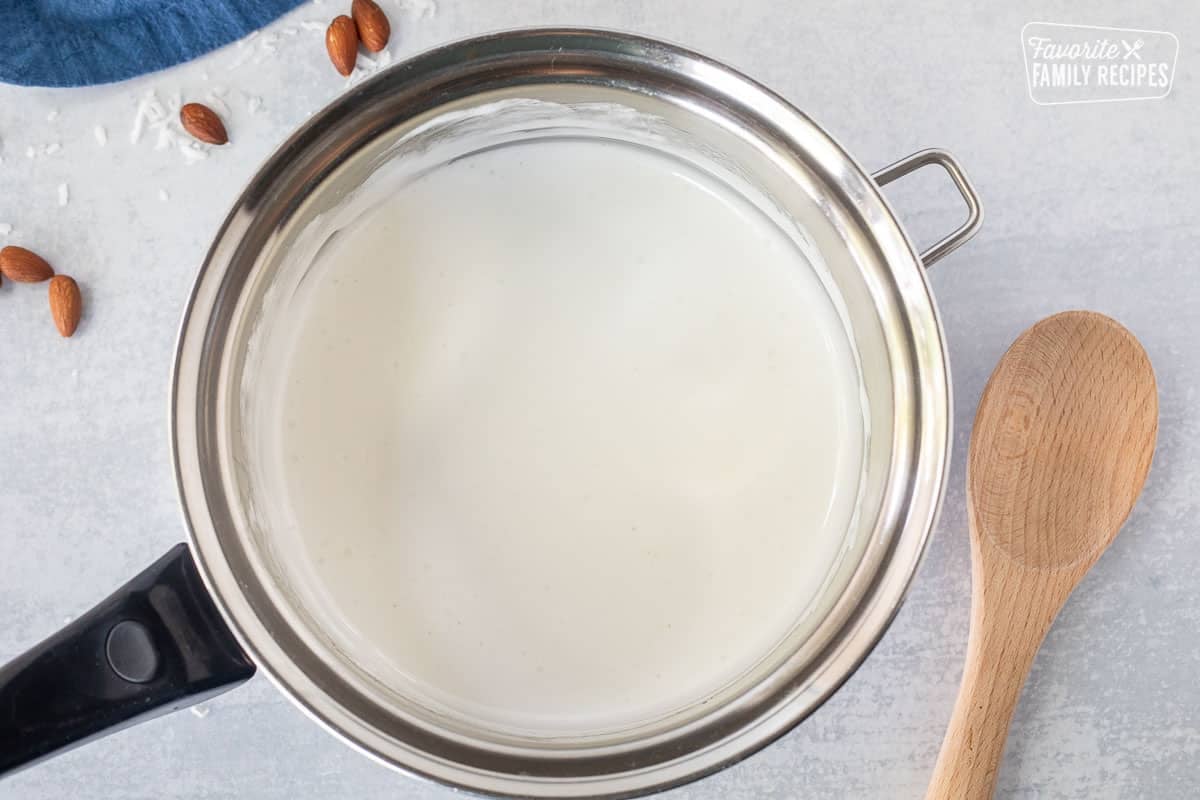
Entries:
{"x":571,"y":436}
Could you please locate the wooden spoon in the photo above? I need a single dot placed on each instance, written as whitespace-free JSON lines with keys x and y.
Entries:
{"x":1061,"y":447}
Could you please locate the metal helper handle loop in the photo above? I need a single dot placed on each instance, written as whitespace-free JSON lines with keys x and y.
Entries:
{"x":941,"y":158}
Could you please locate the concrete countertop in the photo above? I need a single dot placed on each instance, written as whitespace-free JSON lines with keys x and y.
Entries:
{"x":1088,"y":206}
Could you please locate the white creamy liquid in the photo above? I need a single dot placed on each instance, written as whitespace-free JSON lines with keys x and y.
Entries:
{"x":571,"y":436}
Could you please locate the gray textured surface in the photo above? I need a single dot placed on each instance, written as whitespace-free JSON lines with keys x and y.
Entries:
{"x":1088,"y":206}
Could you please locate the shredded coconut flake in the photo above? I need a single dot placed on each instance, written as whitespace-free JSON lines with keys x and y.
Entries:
{"x":216,"y":103}
{"x":150,"y":112}
{"x":52,"y":148}
{"x":165,"y":137}
{"x":30,"y":152}
{"x":421,"y":9}
{"x":53,"y":115}
{"x":192,"y":152}
{"x":253,"y":104}
{"x":367,"y":66}
{"x":5,"y":229}
{"x":200,"y":711}
{"x":162,"y":195}
{"x":64,"y":194}
{"x":312,"y":25}
{"x":101,"y":135}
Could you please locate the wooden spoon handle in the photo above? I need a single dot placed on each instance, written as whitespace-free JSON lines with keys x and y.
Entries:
{"x":1010,"y":614}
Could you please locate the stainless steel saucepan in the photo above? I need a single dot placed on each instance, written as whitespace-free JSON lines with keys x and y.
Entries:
{"x":208,"y":614}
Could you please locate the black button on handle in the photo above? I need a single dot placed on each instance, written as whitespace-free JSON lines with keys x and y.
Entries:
{"x":131,"y":653}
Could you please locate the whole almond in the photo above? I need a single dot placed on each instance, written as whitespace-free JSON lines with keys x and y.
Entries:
{"x":202,"y":122}
{"x":341,"y":40}
{"x":66,"y":305}
{"x":373,"y":26}
{"x":24,"y":266}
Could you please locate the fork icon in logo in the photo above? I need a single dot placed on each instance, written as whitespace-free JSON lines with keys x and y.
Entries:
{"x":1132,"y":49}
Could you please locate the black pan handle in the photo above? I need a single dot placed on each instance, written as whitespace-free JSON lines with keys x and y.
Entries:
{"x":157,"y":644}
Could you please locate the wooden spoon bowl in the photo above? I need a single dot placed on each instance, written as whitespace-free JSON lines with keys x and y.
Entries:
{"x":1062,"y":444}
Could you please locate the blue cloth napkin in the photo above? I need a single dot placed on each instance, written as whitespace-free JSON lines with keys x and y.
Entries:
{"x":81,"y":42}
